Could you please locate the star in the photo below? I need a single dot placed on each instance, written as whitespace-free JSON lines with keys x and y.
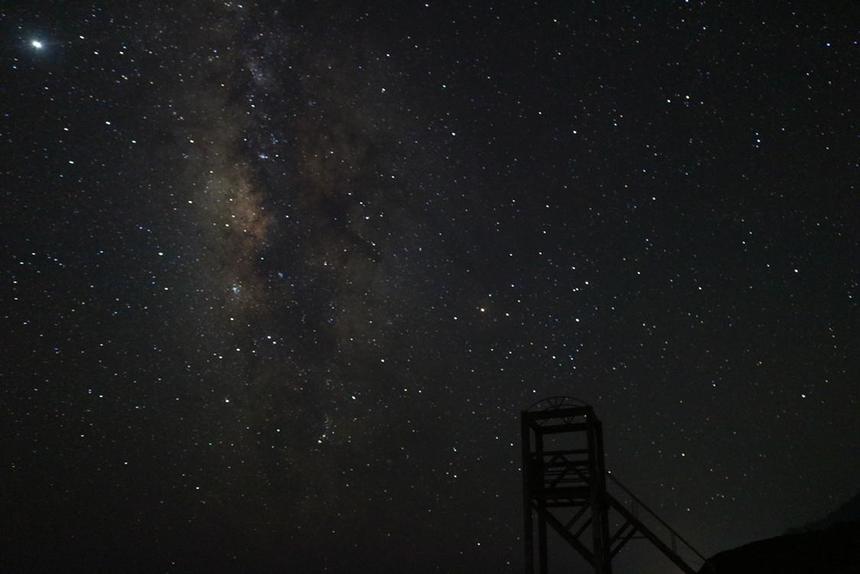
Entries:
{"x":37,"y":44}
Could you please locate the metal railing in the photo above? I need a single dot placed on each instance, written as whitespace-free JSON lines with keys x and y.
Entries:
{"x":656,"y":525}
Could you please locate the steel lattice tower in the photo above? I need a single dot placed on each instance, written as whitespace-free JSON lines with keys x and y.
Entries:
{"x":565,"y":489}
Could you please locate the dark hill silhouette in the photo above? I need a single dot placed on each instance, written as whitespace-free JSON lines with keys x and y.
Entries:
{"x":828,"y":546}
{"x":848,"y":512}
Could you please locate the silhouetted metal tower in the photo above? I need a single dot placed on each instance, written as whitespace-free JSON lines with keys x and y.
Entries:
{"x":565,"y":488}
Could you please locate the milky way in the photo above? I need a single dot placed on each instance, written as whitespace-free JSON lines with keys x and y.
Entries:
{"x":295,"y":299}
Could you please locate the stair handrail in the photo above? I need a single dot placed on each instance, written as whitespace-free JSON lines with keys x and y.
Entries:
{"x":654,"y":514}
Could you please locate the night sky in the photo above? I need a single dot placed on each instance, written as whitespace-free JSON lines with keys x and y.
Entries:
{"x":278,"y":278}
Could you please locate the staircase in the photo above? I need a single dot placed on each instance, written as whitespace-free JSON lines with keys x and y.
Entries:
{"x":639,"y":521}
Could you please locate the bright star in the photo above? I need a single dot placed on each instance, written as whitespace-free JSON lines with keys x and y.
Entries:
{"x":37,"y":44}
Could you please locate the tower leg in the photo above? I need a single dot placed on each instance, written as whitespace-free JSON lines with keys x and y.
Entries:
{"x":542,"y":550}
{"x":528,"y":525}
